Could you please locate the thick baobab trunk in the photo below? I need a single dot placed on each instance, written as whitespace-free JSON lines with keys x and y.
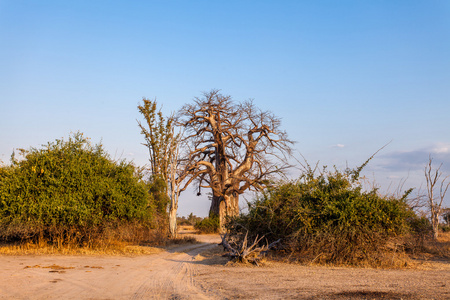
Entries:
{"x":222,"y":216}
{"x":215,"y":203}
{"x":234,"y":205}
{"x":227,"y":206}
{"x":218,"y":209}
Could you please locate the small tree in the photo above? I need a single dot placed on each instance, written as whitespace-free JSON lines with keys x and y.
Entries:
{"x":166,"y":168}
{"x":175,"y":178}
{"x":160,"y":142}
{"x":436,"y":190}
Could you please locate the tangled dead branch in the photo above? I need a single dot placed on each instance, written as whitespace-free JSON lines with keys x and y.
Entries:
{"x":241,"y":251}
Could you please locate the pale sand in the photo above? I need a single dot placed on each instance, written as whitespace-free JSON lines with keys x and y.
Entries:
{"x":192,"y":272}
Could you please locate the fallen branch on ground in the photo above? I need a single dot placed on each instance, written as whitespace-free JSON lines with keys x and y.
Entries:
{"x":244,"y":253}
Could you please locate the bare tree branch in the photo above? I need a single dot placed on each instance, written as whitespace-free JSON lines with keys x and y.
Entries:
{"x":232,"y":148}
{"x":435,"y":198}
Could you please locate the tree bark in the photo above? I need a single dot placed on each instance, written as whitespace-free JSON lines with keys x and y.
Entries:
{"x":173,"y":222}
{"x":173,"y":208}
{"x":435,"y":223}
{"x":222,"y":216}
{"x":234,"y":206}
{"x":228,"y":206}
{"x":214,"y":210}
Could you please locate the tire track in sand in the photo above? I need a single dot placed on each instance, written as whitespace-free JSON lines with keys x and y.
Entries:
{"x":168,"y":274}
{"x":174,"y":275}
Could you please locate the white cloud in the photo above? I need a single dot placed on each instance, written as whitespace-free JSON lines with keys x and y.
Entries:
{"x":417,"y":159}
{"x":338,"y":146}
{"x":441,"y":148}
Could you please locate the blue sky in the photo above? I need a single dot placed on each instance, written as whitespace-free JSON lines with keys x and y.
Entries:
{"x":346,"y":77}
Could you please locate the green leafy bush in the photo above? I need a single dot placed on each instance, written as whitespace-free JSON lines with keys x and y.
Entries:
{"x":326,"y":217}
{"x":158,"y":193}
{"x":419,"y":225}
{"x":69,"y":190}
{"x":208,"y":225}
{"x":444,"y":228}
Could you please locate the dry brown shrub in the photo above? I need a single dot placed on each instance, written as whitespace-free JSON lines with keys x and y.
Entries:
{"x":440,"y":247}
{"x":113,"y":239}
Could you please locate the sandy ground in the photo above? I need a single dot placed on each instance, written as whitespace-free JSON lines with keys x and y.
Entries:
{"x":194,"y":272}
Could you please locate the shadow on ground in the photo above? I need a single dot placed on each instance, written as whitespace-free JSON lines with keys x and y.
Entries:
{"x":372,"y":295}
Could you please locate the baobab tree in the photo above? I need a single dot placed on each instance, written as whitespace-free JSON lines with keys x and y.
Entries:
{"x":233,"y":147}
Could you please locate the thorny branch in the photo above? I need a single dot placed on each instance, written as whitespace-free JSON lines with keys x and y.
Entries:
{"x":243,"y":253}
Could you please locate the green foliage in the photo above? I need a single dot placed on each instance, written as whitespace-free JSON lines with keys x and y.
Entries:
{"x":445,"y":228}
{"x":68,"y":187}
{"x":162,"y":143}
{"x":208,"y":225}
{"x":158,"y":192}
{"x":420,"y":229}
{"x":446,"y":216}
{"x":419,"y":225}
{"x":191,"y":220}
{"x":328,"y":217}
{"x":160,"y":138}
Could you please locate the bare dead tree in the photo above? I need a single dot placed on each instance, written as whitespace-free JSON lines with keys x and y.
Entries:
{"x":233,"y":147}
{"x":181,"y":173}
{"x":435,"y":198}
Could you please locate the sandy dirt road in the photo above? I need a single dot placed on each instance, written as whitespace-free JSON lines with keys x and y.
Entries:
{"x":189,"y":272}
{"x":165,"y":275}
{"x":287,"y":281}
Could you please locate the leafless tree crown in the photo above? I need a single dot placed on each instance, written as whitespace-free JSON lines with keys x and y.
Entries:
{"x":436,"y":189}
{"x":232,"y":146}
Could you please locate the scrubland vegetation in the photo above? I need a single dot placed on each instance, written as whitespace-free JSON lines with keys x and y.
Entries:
{"x":70,"y":194}
{"x":329,"y":218}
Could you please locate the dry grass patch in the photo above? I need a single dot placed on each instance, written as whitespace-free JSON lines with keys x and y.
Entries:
{"x":434,"y":255}
{"x":213,"y":256}
{"x":121,"y":242}
{"x":443,"y":244}
{"x":433,"y":249}
{"x":186,"y":229}
{"x":188,"y":239}
{"x":117,"y":248}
